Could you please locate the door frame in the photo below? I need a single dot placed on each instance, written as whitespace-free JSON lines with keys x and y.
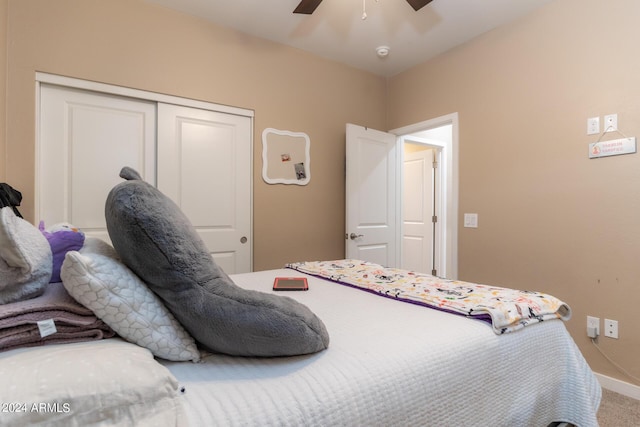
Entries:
{"x":434,"y":202}
{"x":449,"y":176}
{"x":72,"y":82}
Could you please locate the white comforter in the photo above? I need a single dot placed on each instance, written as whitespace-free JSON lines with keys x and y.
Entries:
{"x":395,"y":364}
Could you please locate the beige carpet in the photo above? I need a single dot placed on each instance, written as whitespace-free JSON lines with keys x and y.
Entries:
{"x":617,"y":410}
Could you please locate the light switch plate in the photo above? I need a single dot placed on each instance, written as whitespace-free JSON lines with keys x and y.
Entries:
{"x":593,"y":125}
{"x":471,"y":220}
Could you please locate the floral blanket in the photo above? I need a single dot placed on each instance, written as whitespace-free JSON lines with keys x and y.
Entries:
{"x":506,"y":309}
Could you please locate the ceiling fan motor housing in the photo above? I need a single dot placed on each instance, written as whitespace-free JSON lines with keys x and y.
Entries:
{"x":307,"y":7}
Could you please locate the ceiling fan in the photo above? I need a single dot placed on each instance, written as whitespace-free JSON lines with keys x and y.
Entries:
{"x":308,"y":6}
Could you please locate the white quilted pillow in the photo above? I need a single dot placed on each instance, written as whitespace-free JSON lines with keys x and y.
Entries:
{"x":118,"y":297}
{"x":95,"y":383}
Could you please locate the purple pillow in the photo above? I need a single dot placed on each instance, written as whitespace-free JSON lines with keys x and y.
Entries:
{"x":62,"y":239}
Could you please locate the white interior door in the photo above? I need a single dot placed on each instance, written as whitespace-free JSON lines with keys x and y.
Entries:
{"x":418,"y":211}
{"x":204,"y":165}
{"x":371,"y":196}
{"x":85,"y":138}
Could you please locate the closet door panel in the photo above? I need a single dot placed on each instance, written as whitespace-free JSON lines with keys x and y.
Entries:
{"x":204,"y":165}
{"x":213,"y":182}
{"x":85,"y":139}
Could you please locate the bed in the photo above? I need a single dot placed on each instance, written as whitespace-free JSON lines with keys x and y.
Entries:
{"x":109,"y":345}
{"x":389,"y":363}
{"x":393,"y":363}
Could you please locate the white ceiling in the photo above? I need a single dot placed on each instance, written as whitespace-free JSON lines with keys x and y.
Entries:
{"x":336,"y":30}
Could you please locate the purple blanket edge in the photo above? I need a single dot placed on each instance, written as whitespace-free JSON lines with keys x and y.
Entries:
{"x":485,"y":317}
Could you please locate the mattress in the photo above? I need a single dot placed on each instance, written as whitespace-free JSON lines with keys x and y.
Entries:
{"x":394,"y":363}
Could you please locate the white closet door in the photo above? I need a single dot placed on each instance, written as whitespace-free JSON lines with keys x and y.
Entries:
{"x":204,"y":165}
{"x":85,"y":139}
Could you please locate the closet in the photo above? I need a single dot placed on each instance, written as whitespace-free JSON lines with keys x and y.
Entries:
{"x":198,"y":154}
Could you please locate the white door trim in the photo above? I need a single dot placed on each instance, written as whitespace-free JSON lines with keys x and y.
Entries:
{"x":423,"y":233}
{"x":451,"y":186}
{"x":139,"y":94}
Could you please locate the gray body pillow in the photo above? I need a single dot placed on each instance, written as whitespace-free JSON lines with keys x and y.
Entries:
{"x":156,"y":241}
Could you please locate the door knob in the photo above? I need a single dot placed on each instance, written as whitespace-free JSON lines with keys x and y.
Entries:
{"x":354,"y":236}
{"x":243,"y":240}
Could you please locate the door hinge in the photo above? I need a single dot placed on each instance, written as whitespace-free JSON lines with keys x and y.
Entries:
{"x":435,"y":164}
{"x":434,"y":272}
{"x":434,"y":218}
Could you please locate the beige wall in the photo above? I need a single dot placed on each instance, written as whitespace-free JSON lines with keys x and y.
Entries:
{"x":3,"y":85}
{"x":134,"y":44}
{"x":550,"y":219}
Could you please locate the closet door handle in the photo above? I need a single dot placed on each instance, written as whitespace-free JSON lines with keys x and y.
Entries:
{"x":354,"y":236}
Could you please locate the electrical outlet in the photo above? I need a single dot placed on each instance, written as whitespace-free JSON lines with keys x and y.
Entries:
{"x":611,"y":123}
{"x":593,"y":326}
{"x":611,"y":328}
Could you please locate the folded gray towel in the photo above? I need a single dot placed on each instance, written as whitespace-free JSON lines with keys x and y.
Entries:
{"x":73,"y":322}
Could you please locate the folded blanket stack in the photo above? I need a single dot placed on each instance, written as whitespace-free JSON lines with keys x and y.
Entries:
{"x":62,"y":320}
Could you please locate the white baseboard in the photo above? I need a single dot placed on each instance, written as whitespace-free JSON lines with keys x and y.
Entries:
{"x":619,"y":386}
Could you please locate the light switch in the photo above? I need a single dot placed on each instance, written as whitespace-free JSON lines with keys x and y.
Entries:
{"x":471,"y":220}
{"x":593,"y":125}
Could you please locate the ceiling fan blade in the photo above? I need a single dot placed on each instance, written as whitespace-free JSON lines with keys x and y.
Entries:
{"x":418,"y":4}
{"x":307,"y":6}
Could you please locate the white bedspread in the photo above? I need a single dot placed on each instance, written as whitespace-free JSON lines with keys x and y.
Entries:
{"x":395,"y":364}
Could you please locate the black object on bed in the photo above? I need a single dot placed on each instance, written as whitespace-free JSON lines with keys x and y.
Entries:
{"x":10,"y":197}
